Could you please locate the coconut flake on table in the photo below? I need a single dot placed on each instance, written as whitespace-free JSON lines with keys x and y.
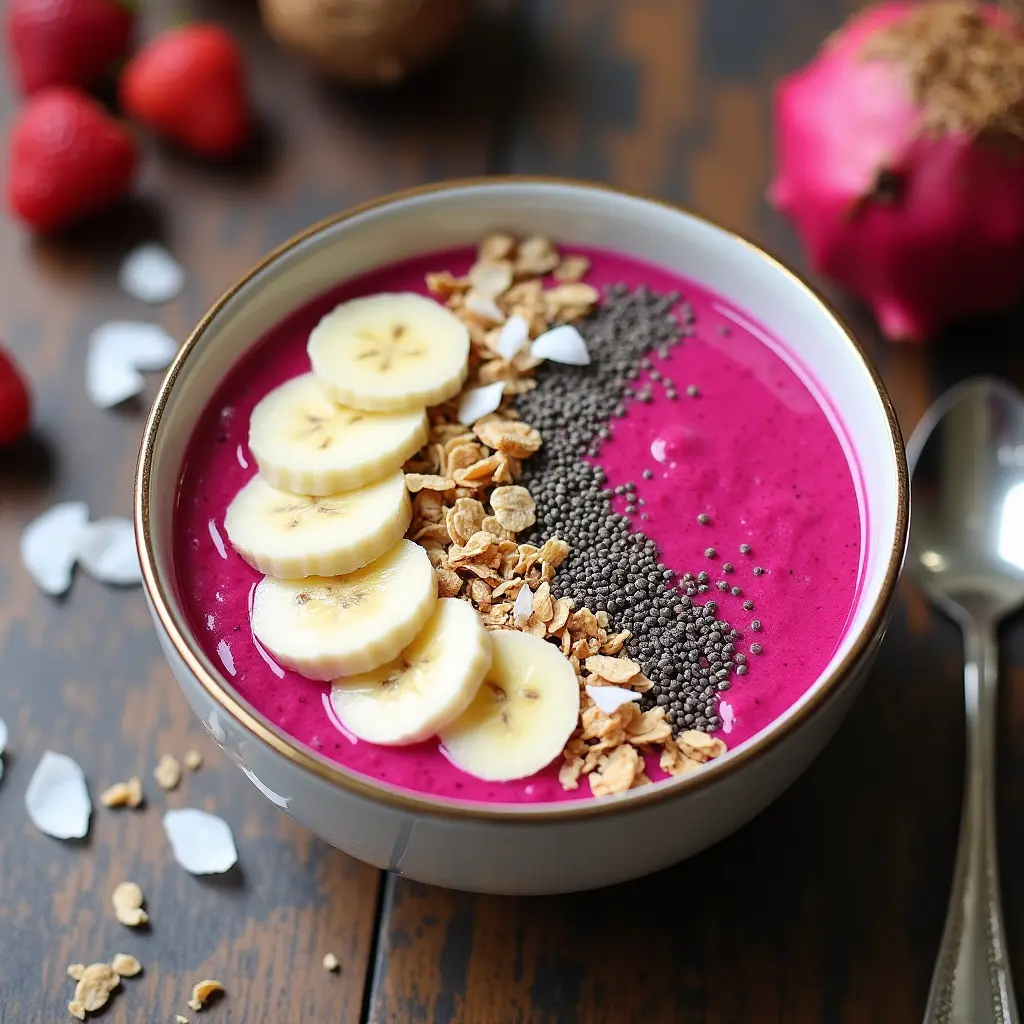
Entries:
{"x":151,"y":274}
{"x":49,"y":545}
{"x":107,"y":551}
{"x":562,"y":344}
{"x":514,"y":334}
{"x":479,"y":402}
{"x":119,"y":352}
{"x":610,"y":698}
{"x":57,"y":798}
{"x":201,"y":843}
{"x":523,"y":608}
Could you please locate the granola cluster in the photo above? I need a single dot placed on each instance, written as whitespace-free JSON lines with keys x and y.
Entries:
{"x":96,"y":983}
{"x":468,"y":509}
{"x":508,"y":280}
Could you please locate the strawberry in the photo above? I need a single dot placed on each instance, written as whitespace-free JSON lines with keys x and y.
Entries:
{"x":15,"y":403}
{"x":66,"y":42}
{"x":67,"y":159}
{"x":188,"y":84}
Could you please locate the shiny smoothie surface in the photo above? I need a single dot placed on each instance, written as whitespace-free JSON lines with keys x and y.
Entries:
{"x":753,"y":450}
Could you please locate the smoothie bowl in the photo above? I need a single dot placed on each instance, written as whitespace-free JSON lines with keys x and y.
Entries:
{"x":508,"y":518}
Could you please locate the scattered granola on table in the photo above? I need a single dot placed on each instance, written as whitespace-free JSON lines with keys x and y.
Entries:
{"x":127,"y":899}
{"x":203,"y":991}
{"x":126,"y":965}
{"x":123,"y":794}
{"x":94,"y":986}
{"x":167,"y":772}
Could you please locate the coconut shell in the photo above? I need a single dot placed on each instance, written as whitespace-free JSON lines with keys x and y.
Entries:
{"x":366,"y":43}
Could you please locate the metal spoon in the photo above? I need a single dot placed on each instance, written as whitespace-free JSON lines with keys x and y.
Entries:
{"x":967,"y":552}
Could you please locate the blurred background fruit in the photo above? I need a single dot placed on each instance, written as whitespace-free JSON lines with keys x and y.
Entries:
{"x":900,"y":160}
{"x":367,"y":43}
{"x":67,"y":159}
{"x":15,"y":402}
{"x":187,"y":84}
{"x":67,"y":42}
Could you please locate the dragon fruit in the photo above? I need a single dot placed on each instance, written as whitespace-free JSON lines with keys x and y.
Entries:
{"x":900,"y":161}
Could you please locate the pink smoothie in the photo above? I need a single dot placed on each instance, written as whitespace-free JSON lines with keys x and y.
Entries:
{"x":754,"y":450}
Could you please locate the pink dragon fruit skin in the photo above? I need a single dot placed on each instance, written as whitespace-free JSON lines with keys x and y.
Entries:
{"x":925,"y":229}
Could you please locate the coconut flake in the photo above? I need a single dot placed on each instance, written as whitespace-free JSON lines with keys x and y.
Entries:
{"x":118,"y":353}
{"x":57,"y":799}
{"x":478,"y":402}
{"x":514,"y":333}
{"x":562,"y":345}
{"x":491,"y":278}
{"x":483,"y":306}
{"x":107,"y":551}
{"x":523,"y":608}
{"x":151,"y":274}
{"x":201,"y":843}
{"x":49,"y":545}
{"x":610,"y":698}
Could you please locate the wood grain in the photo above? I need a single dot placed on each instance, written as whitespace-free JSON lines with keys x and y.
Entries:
{"x":828,"y":907}
{"x":84,"y":675}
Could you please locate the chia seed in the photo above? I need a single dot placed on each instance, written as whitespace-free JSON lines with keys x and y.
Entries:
{"x":736,"y":591}
{"x":692,"y":390}
{"x":756,"y":625}
{"x":756,"y":648}
{"x":748,"y":606}
{"x":680,"y":644}
{"x":758,"y":571}
{"x":744,"y":549}
{"x":703,"y":519}
{"x":709,"y":552}
{"x":727,"y":567}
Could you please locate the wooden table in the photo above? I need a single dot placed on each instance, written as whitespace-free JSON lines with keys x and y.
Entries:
{"x":827,"y":908}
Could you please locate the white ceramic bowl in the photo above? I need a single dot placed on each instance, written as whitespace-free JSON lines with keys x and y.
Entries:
{"x":518,"y":848}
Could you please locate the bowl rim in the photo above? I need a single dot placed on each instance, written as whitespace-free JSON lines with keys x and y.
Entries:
{"x":355,"y":783}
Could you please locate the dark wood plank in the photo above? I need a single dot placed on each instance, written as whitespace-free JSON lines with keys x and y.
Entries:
{"x":829,"y":906}
{"x":84,"y":675}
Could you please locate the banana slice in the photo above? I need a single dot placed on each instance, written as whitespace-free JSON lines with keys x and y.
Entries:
{"x":305,"y":443}
{"x":329,"y":626}
{"x":295,"y":535}
{"x":522,"y":715}
{"x":391,"y":352}
{"x":427,"y":686}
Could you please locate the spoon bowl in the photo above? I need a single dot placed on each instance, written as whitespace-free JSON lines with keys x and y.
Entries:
{"x":967,"y":552}
{"x":967,"y":495}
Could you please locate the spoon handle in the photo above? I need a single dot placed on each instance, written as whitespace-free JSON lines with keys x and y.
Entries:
{"x":972,"y":982}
